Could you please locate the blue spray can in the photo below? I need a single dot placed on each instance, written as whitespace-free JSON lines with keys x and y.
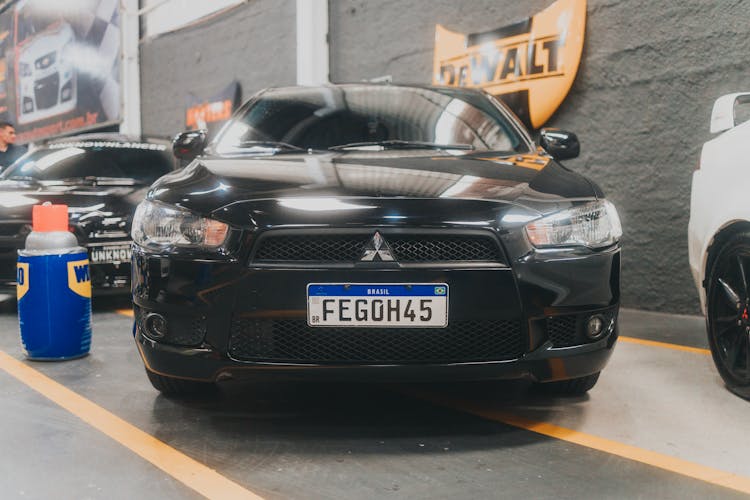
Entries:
{"x":53,"y":289}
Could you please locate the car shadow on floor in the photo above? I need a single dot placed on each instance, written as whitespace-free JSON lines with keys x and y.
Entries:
{"x":369,"y":417}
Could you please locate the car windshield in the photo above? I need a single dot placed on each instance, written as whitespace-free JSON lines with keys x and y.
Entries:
{"x":368,"y":117}
{"x":71,"y":161}
{"x":33,"y":19}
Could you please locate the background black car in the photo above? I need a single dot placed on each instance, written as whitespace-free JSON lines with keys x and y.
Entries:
{"x":101,"y":178}
{"x":375,"y":231}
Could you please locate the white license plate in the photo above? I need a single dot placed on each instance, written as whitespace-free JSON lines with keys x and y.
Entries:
{"x":385,"y":305}
{"x":112,"y":254}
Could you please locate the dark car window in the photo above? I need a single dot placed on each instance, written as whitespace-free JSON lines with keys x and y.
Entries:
{"x":325,"y":117}
{"x":59,"y":163}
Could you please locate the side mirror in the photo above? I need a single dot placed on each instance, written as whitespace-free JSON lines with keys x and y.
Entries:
{"x":188,"y":145}
{"x":723,"y":116}
{"x":560,"y":144}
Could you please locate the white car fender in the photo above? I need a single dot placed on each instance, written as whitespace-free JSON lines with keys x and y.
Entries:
{"x":719,"y":196}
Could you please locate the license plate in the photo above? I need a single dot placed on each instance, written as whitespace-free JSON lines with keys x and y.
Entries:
{"x":386,"y":305}
{"x":113,"y":254}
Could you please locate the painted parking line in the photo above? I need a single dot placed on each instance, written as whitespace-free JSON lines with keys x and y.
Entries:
{"x":665,"y":345}
{"x":188,"y":471}
{"x":666,"y":462}
{"x":672,"y":464}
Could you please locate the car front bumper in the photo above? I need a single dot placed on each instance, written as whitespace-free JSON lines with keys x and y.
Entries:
{"x":228,"y":320}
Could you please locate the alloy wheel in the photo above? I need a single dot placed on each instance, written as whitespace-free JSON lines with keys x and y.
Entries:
{"x":729,"y":317}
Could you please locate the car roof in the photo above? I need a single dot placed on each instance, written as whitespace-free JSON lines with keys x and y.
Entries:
{"x":380,"y":85}
{"x":107,"y":137}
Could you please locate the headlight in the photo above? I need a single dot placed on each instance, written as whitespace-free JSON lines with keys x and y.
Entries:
{"x":159,"y":226}
{"x":592,"y":225}
{"x":66,"y":54}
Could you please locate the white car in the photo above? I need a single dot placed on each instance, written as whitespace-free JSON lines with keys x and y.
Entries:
{"x":46,"y":75}
{"x":719,"y":240}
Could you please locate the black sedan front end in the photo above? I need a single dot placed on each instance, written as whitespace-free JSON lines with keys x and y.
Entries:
{"x":101,"y":178}
{"x":386,"y":263}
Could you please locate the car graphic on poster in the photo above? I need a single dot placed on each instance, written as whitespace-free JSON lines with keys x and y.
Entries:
{"x":46,"y":78}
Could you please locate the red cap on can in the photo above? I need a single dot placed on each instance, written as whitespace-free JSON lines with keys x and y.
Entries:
{"x":48,"y":217}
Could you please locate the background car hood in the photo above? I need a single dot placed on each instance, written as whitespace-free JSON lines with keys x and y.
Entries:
{"x":17,"y":198}
{"x":236,"y":188}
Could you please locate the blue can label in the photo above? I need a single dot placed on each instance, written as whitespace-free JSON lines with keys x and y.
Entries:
{"x":79,"y":279}
{"x":54,"y":315}
{"x":22,"y":279}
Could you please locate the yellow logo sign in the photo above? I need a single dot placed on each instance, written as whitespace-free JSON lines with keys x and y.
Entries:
{"x":22,"y":279}
{"x":531,"y":64}
{"x":79,"y":279}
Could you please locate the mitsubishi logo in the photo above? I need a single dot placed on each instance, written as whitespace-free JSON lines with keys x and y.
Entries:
{"x":377,"y":247}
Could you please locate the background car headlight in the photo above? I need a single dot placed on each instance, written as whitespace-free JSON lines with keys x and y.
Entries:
{"x":592,"y":225}
{"x":156,"y":225}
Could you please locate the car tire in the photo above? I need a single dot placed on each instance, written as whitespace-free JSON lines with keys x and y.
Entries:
{"x":727,"y":313}
{"x":180,"y":388}
{"x":571,"y":387}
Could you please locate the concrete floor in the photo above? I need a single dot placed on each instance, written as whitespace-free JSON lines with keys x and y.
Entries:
{"x":659,"y":424}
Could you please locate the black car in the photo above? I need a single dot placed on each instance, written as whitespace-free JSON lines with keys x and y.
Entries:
{"x":375,"y":232}
{"x":101,"y":178}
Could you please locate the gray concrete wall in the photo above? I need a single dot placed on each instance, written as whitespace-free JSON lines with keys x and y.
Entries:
{"x":254,"y":43}
{"x":640,"y":105}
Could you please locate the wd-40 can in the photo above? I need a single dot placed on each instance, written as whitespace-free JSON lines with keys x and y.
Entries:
{"x":53,"y":289}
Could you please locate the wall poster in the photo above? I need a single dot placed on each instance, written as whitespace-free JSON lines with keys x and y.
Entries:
{"x":212,"y":112}
{"x":530,"y":64}
{"x":59,"y":66}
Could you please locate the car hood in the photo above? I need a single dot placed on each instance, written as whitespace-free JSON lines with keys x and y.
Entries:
{"x":18,"y":197}
{"x":287,"y":188}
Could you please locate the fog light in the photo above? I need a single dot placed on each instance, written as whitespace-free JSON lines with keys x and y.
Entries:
{"x":595,"y":327}
{"x":156,"y":325}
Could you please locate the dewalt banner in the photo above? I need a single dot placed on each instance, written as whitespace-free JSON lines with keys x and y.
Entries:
{"x":530,"y":64}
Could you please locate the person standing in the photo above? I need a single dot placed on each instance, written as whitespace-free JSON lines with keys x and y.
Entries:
{"x":9,"y":151}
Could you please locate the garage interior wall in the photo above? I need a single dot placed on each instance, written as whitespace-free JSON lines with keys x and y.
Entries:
{"x":254,"y":43}
{"x":641,"y":102}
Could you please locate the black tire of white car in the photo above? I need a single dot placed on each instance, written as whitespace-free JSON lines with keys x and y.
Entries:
{"x":727,"y":320}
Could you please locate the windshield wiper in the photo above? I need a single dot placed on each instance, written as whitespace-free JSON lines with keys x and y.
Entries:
{"x":270,"y":145}
{"x":23,"y":178}
{"x":108,"y":181}
{"x":401,"y":144}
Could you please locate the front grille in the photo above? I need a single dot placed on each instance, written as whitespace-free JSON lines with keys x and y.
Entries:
{"x":8,"y":266}
{"x":444,"y":248}
{"x":46,"y":91}
{"x":294,"y":342}
{"x":15,"y":230}
{"x":563,"y":331}
{"x":348,"y":248}
{"x":311,"y":248}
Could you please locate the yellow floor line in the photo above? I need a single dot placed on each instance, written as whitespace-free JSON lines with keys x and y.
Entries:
{"x":648,"y":457}
{"x":190,"y":472}
{"x":666,"y":345}
{"x":652,"y":458}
